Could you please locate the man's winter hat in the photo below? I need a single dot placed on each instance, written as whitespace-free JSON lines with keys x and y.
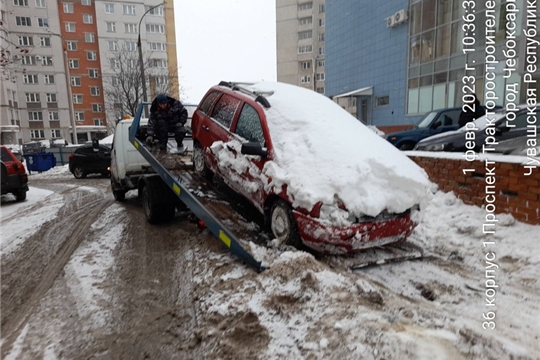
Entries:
{"x":162,"y":99}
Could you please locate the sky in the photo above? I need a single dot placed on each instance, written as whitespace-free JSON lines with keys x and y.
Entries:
{"x":224,"y":40}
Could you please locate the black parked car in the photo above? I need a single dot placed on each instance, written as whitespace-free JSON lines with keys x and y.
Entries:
{"x":90,"y":160}
{"x":455,"y":141}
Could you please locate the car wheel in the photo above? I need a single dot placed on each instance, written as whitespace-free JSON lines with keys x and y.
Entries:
{"x":79,"y":172}
{"x":119,"y":195}
{"x":283,"y":224}
{"x":150,"y":209}
{"x":198,"y":161}
{"x":406,"y":146}
{"x":20,"y":195}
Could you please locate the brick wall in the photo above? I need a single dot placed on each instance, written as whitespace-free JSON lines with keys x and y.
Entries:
{"x":515,"y":193}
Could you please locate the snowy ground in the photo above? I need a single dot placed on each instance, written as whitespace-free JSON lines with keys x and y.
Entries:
{"x":299,"y":308}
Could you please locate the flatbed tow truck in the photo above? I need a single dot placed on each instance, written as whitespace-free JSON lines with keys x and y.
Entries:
{"x":177,"y":183}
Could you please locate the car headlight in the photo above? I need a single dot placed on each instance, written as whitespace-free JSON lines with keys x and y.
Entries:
{"x":335,"y":215}
{"x":436,"y":147}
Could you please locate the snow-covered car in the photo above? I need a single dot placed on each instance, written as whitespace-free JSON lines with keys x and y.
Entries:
{"x":320,"y":177}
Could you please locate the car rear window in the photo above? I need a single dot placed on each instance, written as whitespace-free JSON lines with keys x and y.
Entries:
{"x":5,"y":156}
{"x":225,"y":109}
{"x":208,"y":101}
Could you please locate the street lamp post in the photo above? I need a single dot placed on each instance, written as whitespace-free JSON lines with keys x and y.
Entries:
{"x":68,"y":85}
{"x":141,"y":64}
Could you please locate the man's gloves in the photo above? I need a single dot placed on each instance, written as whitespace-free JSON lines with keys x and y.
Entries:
{"x":150,"y":140}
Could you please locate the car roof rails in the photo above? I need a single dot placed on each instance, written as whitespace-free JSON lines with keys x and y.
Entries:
{"x":259,"y":94}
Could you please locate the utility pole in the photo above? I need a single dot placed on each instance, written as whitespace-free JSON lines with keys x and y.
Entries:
{"x":141,"y":63}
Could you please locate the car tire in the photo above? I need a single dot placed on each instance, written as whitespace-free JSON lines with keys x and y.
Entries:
{"x":79,"y":172}
{"x":283,"y":225}
{"x":21,"y":195}
{"x":198,"y":161}
{"x":119,"y":195}
{"x":151,"y":211}
{"x":406,"y":146}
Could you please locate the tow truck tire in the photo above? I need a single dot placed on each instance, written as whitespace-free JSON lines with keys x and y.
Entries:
{"x":151,"y":210}
{"x":198,"y":161}
{"x":283,"y":224}
{"x":21,"y":195}
{"x":119,"y":195}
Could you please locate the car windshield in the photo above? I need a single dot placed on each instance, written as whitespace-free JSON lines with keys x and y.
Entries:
{"x":426,"y":120}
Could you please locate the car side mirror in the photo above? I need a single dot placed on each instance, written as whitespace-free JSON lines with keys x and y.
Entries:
{"x":254,"y":148}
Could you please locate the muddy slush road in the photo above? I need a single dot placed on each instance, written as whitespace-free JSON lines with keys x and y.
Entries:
{"x":150,"y":309}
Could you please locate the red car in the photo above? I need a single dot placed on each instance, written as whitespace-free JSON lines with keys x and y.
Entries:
{"x":14,"y":177}
{"x":239,"y":134}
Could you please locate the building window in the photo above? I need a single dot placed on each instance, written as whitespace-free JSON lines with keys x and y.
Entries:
{"x":88,"y":19}
{"x":35,"y":116}
{"x":41,"y":3}
{"x":79,"y":115}
{"x":68,"y":8}
{"x":305,"y":49}
{"x":156,"y":46}
{"x":112,"y":45}
{"x":156,"y":11}
{"x":23,"y":21}
{"x":130,"y":28}
{"x":321,"y":37}
{"x":32,"y":98}
{"x":91,"y":55}
{"x":98,"y":122}
{"x":351,"y":101}
{"x":26,"y":41}
{"x":20,"y":2}
{"x":49,"y":79}
{"x":51,"y":97}
{"x":155,"y":28}
{"x":321,"y":51}
{"x":30,"y":79}
{"x":73,"y":63}
{"x":129,"y":10}
{"x":109,"y":8}
{"x":77,"y":99}
{"x":320,"y":77}
{"x":114,"y":63}
{"x":158,"y":63}
{"x":37,"y":134}
{"x":321,"y":22}
{"x":55,"y":133}
{"x":94,"y":90}
{"x":46,"y":61}
{"x":320,"y":63}
{"x":93,"y":73}
{"x":70,"y":27}
{"x":305,"y":79}
{"x":72,"y":45}
{"x":321,"y":8}
{"x":89,"y":37}
{"x":307,"y":34}
{"x":161,"y":80}
{"x":320,"y":90}
{"x":53,"y":115}
{"x":130,"y":46}
{"x":305,"y":6}
{"x":382,"y":100}
{"x":43,"y":22}
{"x":111,"y":27}
{"x":75,"y":81}
{"x":305,"y":65}
{"x":305,"y":21}
{"x":96,"y":107}
{"x":45,"y":42}
{"x":28,"y":60}
{"x":86,"y":2}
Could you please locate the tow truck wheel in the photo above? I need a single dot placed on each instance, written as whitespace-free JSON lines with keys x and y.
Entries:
{"x":283,"y":224}
{"x":198,"y":161}
{"x":151,"y":211}
{"x":20,"y":195}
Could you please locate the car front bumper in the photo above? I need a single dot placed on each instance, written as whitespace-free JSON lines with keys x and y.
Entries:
{"x":357,"y":237}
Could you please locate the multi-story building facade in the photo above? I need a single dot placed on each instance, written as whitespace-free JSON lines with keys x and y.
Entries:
{"x":56,"y":57}
{"x":300,"y":40}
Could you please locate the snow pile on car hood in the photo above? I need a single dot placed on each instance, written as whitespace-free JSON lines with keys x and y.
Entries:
{"x":324,"y":154}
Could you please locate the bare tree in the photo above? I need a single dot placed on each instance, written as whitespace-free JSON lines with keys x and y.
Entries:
{"x":123,"y":87}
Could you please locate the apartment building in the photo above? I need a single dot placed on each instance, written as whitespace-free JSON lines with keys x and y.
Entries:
{"x":300,"y":28}
{"x":57,"y":58}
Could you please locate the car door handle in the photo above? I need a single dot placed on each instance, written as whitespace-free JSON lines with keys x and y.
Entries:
{"x":206,"y":128}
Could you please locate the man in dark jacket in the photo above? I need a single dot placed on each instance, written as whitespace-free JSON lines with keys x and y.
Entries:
{"x":467,"y":115}
{"x":167,"y":115}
